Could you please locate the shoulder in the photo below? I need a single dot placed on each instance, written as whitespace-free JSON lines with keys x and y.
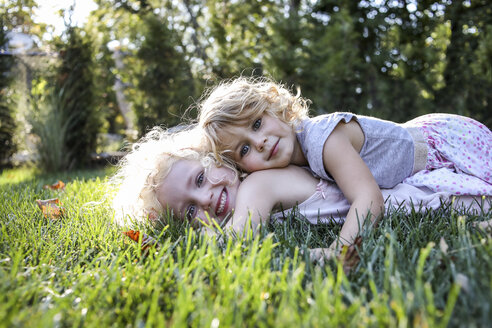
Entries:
{"x":331,"y":117}
{"x":277,"y":185}
{"x":273,"y":178}
{"x":323,"y":124}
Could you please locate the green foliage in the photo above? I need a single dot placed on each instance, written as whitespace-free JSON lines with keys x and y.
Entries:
{"x":391,"y":59}
{"x":74,"y":87}
{"x":7,"y":119}
{"x":467,"y":74}
{"x":104,"y":80}
{"x":19,"y":16}
{"x":64,"y":116}
{"x":163,"y":82}
{"x":51,"y":123}
{"x":237,"y":41}
{"x":416,"y":269}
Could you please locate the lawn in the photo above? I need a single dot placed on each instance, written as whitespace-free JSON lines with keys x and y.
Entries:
{"x":429,"y":269}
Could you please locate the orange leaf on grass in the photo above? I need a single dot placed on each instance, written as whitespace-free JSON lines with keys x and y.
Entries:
{"x":350,"y":256}
{"x":147,"y":241}
{"x":51,"y":208}
{"x":59,"y":185}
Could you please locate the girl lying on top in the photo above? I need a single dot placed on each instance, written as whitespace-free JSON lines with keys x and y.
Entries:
{"x":258,"y":125}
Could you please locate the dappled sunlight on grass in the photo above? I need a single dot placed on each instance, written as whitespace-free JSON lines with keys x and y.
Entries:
{"x":14,"y":176}
{"x":32,"y":175}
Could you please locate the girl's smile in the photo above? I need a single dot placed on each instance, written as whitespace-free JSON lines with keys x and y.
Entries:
{"x":274,"y":150}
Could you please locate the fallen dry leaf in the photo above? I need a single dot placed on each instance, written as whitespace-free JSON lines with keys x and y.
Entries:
{"x":59,"y":185}
{"x":350,"y":256}
{"x":51,"y":208}
{"x":147,"y":241}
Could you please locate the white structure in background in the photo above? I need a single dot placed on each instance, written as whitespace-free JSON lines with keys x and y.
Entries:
{"x":19,"y":43}
{"x":119,"y":87}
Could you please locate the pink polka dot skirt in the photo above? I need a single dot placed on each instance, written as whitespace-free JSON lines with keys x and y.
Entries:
{"x":459,"y":155}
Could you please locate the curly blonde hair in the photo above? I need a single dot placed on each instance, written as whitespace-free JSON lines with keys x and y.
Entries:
{"x":144,"y":168}
{"x":240,"y":101}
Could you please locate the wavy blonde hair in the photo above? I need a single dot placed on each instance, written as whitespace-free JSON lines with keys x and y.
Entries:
{"x":238,"y":102}
{"x":144,"y":168}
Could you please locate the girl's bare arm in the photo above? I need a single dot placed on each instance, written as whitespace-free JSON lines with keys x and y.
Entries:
{"x":342,"y":160}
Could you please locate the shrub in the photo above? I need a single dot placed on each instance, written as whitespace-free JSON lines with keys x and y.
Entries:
{"x":51,"y":125}
{"x":74,"y":89}
{"x":163,"y":79}
{"x":7,"y":121}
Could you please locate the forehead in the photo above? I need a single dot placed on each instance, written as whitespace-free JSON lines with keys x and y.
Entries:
{"x":229,"y":135}
{"x":174,"y":189}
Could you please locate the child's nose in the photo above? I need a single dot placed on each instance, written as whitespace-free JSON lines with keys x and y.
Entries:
{"x":260,"y":143}
{"x":204,"y":199}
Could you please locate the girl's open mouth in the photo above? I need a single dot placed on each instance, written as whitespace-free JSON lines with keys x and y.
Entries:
{"x":222,"y":203}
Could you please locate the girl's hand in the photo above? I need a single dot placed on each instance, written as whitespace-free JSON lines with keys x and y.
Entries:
{"x":321,"y":255}
{"x":349,"y":255}
{"x":486,"y":226}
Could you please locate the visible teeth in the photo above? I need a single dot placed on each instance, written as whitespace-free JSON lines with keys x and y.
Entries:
{"x":223,"y":198}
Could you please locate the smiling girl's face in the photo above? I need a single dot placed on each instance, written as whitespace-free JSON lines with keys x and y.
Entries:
{"x":190,"y":190}
{"x":264,"y":142}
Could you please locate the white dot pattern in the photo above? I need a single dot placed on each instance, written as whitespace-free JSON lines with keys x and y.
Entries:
{"x":459,"y":155}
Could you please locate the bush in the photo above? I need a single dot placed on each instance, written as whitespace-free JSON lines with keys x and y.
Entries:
{"x":50,"y":124}
{"x":75,"y":91}
{"x":7,"y":121}
{"x":163,"y":79}
{"x":65,"y":118}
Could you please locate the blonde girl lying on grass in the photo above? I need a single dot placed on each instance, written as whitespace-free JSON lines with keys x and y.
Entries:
{"x":258,"y":124}
{"x":172,"y":171}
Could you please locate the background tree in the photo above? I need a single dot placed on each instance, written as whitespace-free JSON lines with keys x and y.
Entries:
{"x":74,"y":86}
{"x":157,"y":69}
{"x":18,"y":16}
{"x":163,"y":86}
{"x":391,"y":59}
{"x":468,"y":73}
{"x":7,"y":119}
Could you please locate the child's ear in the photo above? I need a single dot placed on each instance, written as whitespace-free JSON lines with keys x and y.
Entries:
{"x":157,"y":219}
{"x":152,"y":215}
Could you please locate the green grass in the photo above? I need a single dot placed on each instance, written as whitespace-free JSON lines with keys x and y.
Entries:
{"x":81,"y":271}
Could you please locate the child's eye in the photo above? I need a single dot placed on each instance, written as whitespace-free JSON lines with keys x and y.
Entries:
{"x":244,"y":150}
{"x":199,"y":179}
{"x":257,"y":124}
{"x":190,"y":212}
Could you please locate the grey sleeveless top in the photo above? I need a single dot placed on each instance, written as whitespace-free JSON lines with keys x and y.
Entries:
{"x":388,"y":148}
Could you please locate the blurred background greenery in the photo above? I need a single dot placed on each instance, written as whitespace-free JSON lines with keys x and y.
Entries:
{"x":137,"y":63}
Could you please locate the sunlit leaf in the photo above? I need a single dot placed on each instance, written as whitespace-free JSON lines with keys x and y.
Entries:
{"x":51,"y":208}
{"x":147,"y":241}
{"x":59,"y":185}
